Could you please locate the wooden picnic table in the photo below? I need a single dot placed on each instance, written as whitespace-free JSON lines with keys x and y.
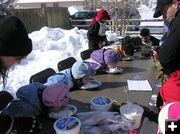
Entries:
{"x":114,"y":86}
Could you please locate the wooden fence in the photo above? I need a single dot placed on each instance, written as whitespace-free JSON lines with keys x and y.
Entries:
{"x":35,"y":19}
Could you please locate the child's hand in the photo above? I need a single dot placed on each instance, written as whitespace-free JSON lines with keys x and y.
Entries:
{"x":155,"y":55}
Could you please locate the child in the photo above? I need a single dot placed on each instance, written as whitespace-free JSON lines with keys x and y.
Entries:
{"x":97,"y":29}
{"x":33,"y":100}
{"x":123,"y":49}
{"x":103,"y":59}
{"x":75,"y":76}
{"x":148,"y":39}
{"x":128,"y":46}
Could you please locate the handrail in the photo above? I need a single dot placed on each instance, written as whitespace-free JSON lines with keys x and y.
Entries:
{"x":122,"y":27}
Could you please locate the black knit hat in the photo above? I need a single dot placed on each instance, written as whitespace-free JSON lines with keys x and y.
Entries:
{"x":5,"y":99}
{"x":14,"y":40}
{"x":145,"y":32}
{"x":126,"y":40}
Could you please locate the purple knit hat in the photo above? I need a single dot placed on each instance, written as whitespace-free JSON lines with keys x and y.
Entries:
{"x":110,"y":57}
{"x":56,"y":95}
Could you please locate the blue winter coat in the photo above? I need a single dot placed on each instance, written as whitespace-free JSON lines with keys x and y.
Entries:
{"x":28,"y":102}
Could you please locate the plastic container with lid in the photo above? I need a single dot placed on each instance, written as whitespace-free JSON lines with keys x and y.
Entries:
{"x":101,"y":103}
{"x":67,"y":125}
{"x":133,"y":113}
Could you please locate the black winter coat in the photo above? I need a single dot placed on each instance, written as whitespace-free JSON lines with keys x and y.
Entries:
{"x":93,"y":35}
{"x":169,"y":52}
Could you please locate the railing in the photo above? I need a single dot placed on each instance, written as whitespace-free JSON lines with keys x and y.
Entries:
{"x":127,"y":26}
{"x":133,"y":26}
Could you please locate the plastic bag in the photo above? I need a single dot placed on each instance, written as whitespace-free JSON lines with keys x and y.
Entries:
{"x":98,"y":122}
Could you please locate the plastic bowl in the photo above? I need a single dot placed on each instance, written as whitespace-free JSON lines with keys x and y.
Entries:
{"x":66,"y":112}
{"x":101,"y":103}
{"x":67,"y":125}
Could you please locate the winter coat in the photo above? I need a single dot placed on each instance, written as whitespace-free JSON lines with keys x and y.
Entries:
{"x":169,"y":51}
{"x":63,"y":76}
{"x":29,"y":102}
{"x":155,"y":41}
{"x":96,"y":34}
{"x":97,"y":60}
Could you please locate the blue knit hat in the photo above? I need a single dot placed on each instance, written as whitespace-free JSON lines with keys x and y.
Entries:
{"x":110,"y":57}
{"x":82,"y":69}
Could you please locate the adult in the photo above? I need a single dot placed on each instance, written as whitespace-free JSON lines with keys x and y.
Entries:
{"x":14,"y":46}
{"x":169,"y":51}
{"x":97,"y":29}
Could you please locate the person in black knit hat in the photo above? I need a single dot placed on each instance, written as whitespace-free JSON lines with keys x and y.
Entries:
{"x":149,"y":39}
{"x":14,"y":46}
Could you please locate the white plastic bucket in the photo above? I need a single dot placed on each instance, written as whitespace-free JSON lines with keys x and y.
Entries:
{"x":67,"y":125}
{"x":101,"y":103}
{"x":133,"y":113}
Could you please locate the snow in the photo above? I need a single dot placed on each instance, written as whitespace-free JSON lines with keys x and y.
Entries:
{"x":147,"y":13}
{"x":51,"y":45}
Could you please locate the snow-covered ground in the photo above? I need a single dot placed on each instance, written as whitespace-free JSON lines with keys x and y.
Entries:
{"x":51,"y":45}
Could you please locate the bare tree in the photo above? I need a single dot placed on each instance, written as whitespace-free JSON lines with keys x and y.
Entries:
{"x":4,"y":4}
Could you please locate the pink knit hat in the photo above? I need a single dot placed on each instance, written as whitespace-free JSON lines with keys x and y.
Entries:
{"x":56,"y":95}
{"x":169,"y":111}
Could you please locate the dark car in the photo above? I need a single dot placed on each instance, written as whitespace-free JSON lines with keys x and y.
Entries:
{"x":81,"y":19}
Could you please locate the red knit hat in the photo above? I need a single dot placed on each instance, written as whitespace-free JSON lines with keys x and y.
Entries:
{"x":170,"y":91}
{"x":103,"y":14}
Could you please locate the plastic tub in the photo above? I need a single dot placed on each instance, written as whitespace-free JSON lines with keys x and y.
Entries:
{"x":101,"y":103}
{"x":67,"y":125}
{"x":133,"y":113}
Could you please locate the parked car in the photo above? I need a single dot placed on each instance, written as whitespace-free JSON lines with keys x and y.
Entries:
{"x":81,"y":19}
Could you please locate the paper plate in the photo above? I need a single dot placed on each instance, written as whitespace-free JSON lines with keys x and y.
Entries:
{"x":91,"y":85}
{"x":118,"y":70}
{"x":66,"y":112}
{"x":127,"y":58}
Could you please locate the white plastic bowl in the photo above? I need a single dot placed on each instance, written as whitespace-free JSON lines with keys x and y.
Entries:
{"x":101,"y":103}
{"x":67,"y":125}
